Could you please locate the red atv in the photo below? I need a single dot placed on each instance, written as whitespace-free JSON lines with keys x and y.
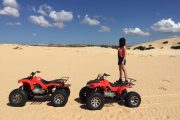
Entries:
{"x":95,"y":92}
{"x":34,"y":86}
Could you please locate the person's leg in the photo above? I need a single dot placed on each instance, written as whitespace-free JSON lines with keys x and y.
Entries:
{"x":120,"y":75}
{"x":120,"y":72}
{"x":124,"y":71}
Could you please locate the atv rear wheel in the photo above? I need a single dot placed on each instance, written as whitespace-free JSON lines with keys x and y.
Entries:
{"x":59,"y":99}
{"x":83,"y":94}
{"x":18,"y":98}
{"x":67,"y":90}
{"x":95,"y":101}
{"x":133,"y":99}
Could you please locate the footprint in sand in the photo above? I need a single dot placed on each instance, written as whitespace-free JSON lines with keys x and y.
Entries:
{"x":109,"y":105}
{"x":163,"y":88}
{"x":167,"y":81}
{"x":17,"y":48}
{"x":126,"y":111}
{"x":146,"y":101}
{"x":171,"y":56}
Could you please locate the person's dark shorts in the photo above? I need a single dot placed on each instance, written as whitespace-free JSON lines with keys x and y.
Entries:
{"x":120,"y":61}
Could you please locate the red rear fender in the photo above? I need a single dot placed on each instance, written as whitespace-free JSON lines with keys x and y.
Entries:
{"x":122,"y":88}
{"x":67,"y":85}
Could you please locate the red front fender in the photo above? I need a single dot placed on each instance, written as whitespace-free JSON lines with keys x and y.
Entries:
{"x":23,"y":81}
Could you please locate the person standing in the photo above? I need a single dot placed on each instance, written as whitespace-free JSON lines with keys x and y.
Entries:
{"x":122,"y":60}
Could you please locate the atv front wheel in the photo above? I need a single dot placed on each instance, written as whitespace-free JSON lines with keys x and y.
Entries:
{"x":18,"y":98}
{"x":59,"y":99}
{"x":83,"y":94}
{"x":28,"y":91}
{"x":133,"y":99}
{"x":95,"y":101}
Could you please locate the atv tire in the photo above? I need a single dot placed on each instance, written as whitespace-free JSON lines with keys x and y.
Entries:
{"x":83,"y":94}
{"x":132,"y":99}
{"x":27,"y":89}
{"x":59,"y":98}
{"x":67,"y":90}
{"x":18,"y":98}
{"x":95,"y":101}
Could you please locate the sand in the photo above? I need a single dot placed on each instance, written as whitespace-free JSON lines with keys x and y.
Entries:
{"x":157,"y":72}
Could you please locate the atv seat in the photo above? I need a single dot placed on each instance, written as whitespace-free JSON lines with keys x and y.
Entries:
{"x":115,"y":85}
{"x":45,"y":81}
{"x":52,"y":81}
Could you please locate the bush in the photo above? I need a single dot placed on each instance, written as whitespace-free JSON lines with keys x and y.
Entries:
{"x":17,"y":48}
{"x":175,"y":47}
{"x":143,"y":48}
{"x":140,"y":48}
{"x":165,"y":42}
{"x":149,"y":48}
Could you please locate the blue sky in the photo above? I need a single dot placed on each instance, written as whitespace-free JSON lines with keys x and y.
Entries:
{"x":88,"y":21}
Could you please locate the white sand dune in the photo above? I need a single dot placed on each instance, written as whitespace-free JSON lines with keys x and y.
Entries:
{"x":157,"y":72}
{"x":161,"y":44}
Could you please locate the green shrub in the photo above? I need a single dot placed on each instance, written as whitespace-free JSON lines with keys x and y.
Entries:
{"x":140,"y":48}
{"x":175,"y":47}
{"x":165,"y":42}
{"x":143,"y":48}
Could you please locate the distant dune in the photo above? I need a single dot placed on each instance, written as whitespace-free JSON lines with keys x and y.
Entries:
{"x":171,"y":43}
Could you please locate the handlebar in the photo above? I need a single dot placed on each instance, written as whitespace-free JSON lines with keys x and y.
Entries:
{"x":132,"y":81}
{"x":105,"y":74}
{"x":101,"y":76}
{"x":34,"y":73}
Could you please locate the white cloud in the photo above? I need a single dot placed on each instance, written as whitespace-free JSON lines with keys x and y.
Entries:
{"x":79,"y":16}
{"x":13,"y":24}
{"x":166,"y":26}
{"x":10,"y":3}
{"x":10,"y":8}
{"x":9,"y":11}
{"x":100,"y":17}
{"x":104,"y":29}
{"x":39,"y":20}
{"x":34,"y":34}
{"x":135,"y":31}
{"x":31,"y":8}
{"x":62,"y":16}
{"x":90,"y":21}
{"x":58,"y":25}
{"x":58,"y":18}
{"x":44,"y":9}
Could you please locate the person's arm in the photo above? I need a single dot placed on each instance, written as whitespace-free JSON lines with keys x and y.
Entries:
{"x":118,"y":52}
{"x":125,"y":53}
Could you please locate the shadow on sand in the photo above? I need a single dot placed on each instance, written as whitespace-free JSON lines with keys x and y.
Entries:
{"x":108,"y":103}
{"x":35,"y":101}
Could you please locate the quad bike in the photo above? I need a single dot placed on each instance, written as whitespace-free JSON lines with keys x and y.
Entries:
{"x":32,"y":86}
{"x":95,"y":92}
